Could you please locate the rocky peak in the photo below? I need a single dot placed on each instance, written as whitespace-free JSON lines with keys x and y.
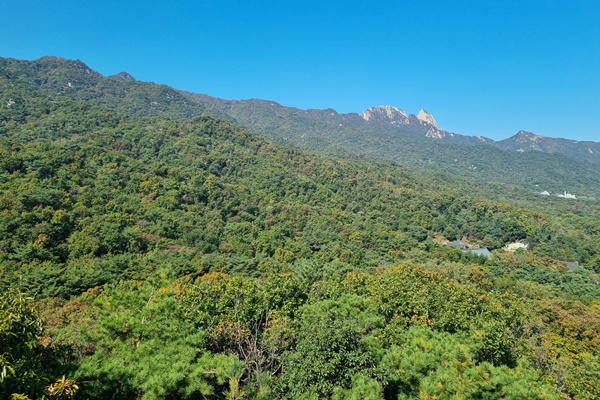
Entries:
{"x":389,"y":114}
{"x":526,"y":136}
{"x":523,"y":141}
{"x":123,"y":76}
{"x":424,"y":116}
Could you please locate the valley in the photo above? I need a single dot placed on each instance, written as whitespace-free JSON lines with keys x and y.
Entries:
{"x":156,"y":243}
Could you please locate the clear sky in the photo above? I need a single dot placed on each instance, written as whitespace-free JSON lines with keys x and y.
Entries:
{"x":480,"y":67}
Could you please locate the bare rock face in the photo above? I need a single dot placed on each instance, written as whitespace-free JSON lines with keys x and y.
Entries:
{"x":389,"y":114}
{"x":396,"y":116}
{"x":424,"y":116}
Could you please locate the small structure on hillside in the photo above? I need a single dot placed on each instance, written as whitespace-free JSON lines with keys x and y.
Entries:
{"x":572,"y":265}
{"x":516,"y":246}
{"x":466,"y":248}
{"x":459,"y":244}
{"x":482,"y":252}
{"x":567,"y":195}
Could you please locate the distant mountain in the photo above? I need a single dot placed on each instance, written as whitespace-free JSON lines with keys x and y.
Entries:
{"x":391,"y":134}
{"x":422,"y":124}
{"x":314,"y":128}
{"x":379,"y":133}
{"x":74,"y":79}
{"x":425,"y":124}
{"x":526,"y":141}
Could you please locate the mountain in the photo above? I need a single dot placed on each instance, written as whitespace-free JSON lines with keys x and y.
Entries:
{"x":91,"y":195}
{"x":381,"y":133}
{"x":317,"y":128}
{"x":578,"y":150}
{"x":390,"y":134}
{"x":522,"y":141}
{"x":149,"y":254}
{"x":74,"y":79}
{"x":421,"y":125}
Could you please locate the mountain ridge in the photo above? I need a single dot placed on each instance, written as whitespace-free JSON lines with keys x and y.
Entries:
{"x":423,"y":124}
{"x":395,"y":115}
{"x":524,"y":141}
{"x":181,"y":258}
{"x":415,"y":143}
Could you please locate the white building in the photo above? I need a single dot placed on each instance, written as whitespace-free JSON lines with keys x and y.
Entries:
{"x":567,"y":195}
{"x":515,"y":246}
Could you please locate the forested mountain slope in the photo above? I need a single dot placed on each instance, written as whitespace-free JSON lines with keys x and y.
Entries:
{"x":553,"y":167}
{"x":73,"y":79}
{"x":188,"y":257}
{"x":578,"y":150}
{"x":556,"y":166}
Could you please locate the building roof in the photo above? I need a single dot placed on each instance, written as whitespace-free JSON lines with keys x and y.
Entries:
{"x":572,"y":265}
{"x":515,"y":246}
{"x":458,"y":243}
{"x":483,"y":252}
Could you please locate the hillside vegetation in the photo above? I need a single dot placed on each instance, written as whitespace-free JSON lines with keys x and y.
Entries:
{"x":347,"y":135}
{"x":158,"y":254}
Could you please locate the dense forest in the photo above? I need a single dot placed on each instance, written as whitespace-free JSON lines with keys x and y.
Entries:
{"x":169,"y":253}
{"x":328,"y":133}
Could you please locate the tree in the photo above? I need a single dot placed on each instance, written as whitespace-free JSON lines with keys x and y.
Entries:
{"x":332,"y":347}
{"x":28,"y":362}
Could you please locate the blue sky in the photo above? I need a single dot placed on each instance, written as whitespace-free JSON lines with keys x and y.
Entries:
{"x":480,"y":67}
